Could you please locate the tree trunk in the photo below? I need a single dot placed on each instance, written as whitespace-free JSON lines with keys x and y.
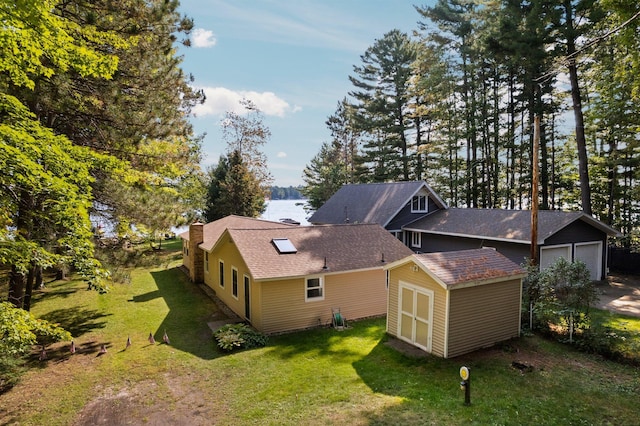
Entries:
{"x":60,"y":273}
{"x":17,"y":282}
{"x":39,"y":278}
{"x":28,"y":290}
{"x":583,"y":166}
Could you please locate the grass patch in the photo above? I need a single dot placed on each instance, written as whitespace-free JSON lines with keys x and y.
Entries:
{"x":316,"y":377}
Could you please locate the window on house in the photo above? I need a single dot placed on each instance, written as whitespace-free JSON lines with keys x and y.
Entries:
{"x":315,"y":289}
{"x":206,"y":262}
{"x":234,"y":282}
{"x":416,"y":239}
{"x":221,"y":273}
{"x":419,"y":204}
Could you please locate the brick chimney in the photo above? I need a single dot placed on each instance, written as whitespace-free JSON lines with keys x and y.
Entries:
{"x":196,"y":255}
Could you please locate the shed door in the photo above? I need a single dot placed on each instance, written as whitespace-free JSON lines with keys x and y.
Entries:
{"x":415,"y":316}
{"x":549,"y":255}
{"x":591,"y":255}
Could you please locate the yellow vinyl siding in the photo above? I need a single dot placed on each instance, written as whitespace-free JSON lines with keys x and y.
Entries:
{"x":256,"y":304}
{"x":483,"y":315}
{"x":357,"y":294}
{"x":419,"y":278}
{"x":228,"y":253}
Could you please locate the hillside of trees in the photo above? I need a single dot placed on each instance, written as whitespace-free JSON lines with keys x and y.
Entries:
{"x":286,"y":193}
{"x":455,"y":102}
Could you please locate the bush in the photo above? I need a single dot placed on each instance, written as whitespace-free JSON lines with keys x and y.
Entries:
{"x":561,"y":296}
{"x":11,"y":369}
{"x":615,"y":343}
{"x":239,"y":336}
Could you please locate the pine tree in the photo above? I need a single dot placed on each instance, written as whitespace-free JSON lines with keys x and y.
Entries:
{"x":324,"y":175}
{"x":345,"y":138}
{"x":382,"y":98}
{"x":233,"y":190}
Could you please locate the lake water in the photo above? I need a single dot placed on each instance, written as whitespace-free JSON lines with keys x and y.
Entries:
{"x":281,"y":209}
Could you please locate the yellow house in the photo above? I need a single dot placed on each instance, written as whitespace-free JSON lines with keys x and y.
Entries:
{"x":451,"y":303}
{"x":284,"y":277}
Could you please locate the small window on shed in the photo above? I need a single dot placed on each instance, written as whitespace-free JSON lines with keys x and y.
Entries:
{"x":284,"y":245}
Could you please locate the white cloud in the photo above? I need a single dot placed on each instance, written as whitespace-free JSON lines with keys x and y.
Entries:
{"x":282,"y":154}
{"x":303,"y":23}
{"x":220,"y":100}
{"x":203,"y":38}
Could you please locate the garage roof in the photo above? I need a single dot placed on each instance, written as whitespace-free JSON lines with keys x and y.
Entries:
{"x":501,"y":225}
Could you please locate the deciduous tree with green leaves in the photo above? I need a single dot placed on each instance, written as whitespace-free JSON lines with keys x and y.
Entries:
{"x":45,"y":179}
{"x":138,"y":114}
{"x":246,"y":133}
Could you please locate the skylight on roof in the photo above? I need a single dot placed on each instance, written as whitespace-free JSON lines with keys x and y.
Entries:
{"x":284,"y":245}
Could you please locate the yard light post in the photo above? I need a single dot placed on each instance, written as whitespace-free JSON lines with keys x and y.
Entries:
{"x":465,"y":384}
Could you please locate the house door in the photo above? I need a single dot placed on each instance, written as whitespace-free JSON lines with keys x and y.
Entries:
{"x":247,"y":304}
{"x":415,"y":316}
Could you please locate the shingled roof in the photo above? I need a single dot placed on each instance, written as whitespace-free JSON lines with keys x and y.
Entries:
{"x":370,"y":203}
{"x":345,"y":248}
{"x":466,"y":268}
{"x":502,"y":225}
{"x":213,"y":230}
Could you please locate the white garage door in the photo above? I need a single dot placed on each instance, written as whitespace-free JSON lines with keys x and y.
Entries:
{"x":415,"y":316}
{"x":549,"y":255}
{"x":591,"y":255}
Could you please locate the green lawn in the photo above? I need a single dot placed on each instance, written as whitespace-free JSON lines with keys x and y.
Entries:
{"x":316,"y":377}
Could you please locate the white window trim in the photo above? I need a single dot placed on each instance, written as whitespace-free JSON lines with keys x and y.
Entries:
{"x":235,"y":291}
{"x":419,"y":210}
{"x":306,"y":289}
{"x":416,"y":239}
{"x":206,"y":262}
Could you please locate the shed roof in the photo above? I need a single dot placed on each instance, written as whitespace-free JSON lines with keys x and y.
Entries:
{"x":469,"y":267}
{"x":499,"y":224}
{"x":345,"y":248}
{"x":370,"y":203}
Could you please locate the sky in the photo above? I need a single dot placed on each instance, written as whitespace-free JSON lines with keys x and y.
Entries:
{"x":292,"y":58}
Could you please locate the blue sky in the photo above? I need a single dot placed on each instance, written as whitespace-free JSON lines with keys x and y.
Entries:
{"x":292,"y":58}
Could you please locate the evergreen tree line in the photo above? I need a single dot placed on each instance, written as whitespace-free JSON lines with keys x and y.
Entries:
{"x":455,"y":102}
{"x":286,"y":193}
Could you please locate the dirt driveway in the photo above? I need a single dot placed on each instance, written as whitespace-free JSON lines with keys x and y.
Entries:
{"x":620,"y":293}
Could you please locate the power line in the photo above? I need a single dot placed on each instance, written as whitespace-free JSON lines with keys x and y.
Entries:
{"x":572,"y":56}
